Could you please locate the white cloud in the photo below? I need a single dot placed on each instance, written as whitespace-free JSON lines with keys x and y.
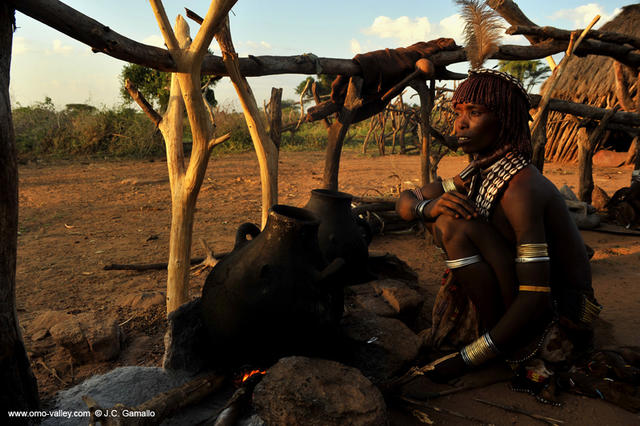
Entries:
{"x":20,"y":45}
{"x":582,"y":16}
{"x":405,"y":31}
{"x":254,"y":48}
{"x":60,"y":49}
{"x":154,"y":40}
{"x":355,"y":46}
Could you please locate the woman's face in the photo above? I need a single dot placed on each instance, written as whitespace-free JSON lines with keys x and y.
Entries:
{"x":476,"y":128}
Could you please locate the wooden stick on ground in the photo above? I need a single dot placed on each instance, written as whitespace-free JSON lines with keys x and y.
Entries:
{"x":514,"y":409}
{"x":424,"y":404}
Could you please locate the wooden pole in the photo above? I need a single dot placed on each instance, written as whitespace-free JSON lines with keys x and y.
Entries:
{"x":19,"y":387}
{"x":266,"y":149}
{"x":338,"y":131}
{"x":426,"y":105}
{"x":587,"y":143}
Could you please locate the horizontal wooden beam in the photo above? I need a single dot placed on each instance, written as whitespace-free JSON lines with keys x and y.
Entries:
{"x":588,"y":111}
{"x":103,"y":39}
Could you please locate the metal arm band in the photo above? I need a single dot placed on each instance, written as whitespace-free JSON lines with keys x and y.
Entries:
{"x":479,"y":351}
{"x":535,"y":288}
{"x":532,"y":259}
{"x":462,"y":262}
{"x":420,"y":208}
{"x":532,"y":250}
{"x":448,"y":185}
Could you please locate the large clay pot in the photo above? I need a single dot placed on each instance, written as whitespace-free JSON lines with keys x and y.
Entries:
{"x":271,"y":295}
{"x":339,"y":235}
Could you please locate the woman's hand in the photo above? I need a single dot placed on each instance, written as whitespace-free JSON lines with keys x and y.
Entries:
{"x":453,"y":204}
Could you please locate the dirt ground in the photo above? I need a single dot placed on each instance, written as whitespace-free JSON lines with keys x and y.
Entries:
{"x":77,"y":217}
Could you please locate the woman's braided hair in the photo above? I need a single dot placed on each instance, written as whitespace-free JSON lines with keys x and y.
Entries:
{"x":503,"y":95}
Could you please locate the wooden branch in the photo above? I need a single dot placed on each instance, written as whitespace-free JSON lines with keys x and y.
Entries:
{"x":514,"y":409}
{"x":588,"y":111}
{"x":266,"y":151}
{"x":338,"y":131}
{"x":513,"y":15}
{"x":218,"y":141}
{"x":142,"y":102}
{"x":559,"y":34}
{"x":102,"y":39}
{"x":165,"y":27}
{"x":622,"y":91}
{"x":215,"y":17}
{"x":539,"y":123}
{"x":163,"y":405}
{"x":316,"y":98}
{"x":275,"y":116}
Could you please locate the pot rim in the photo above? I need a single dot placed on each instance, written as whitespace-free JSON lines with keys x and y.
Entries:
{"x":292,"y":213}
{"x":329,"y":193}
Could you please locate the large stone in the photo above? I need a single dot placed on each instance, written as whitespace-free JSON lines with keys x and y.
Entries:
{"x":379,"y":347}
{"x":88,"y":338}
{"x":142,"y":301}
{"x":41,"y":324}
{"x":309,"y":391}
{"x":599,"y":198}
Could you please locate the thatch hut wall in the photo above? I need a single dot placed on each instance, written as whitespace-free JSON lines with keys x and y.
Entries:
{"x":591,"y":80}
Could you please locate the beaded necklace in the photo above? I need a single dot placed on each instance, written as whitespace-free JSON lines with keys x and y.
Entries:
{"x":493,"y":181}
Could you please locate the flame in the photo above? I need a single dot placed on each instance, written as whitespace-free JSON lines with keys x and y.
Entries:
{"x":251,"y":373}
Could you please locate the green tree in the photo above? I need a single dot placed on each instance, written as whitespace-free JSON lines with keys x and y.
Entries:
{"x":323,"y":85}
{"x":528,"y":72}
{"x":154,"y":85}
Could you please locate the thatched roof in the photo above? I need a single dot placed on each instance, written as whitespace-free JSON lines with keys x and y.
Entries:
{"x":589,"y":80}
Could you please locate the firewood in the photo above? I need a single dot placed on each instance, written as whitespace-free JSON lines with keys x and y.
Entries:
{"x":162,"y":406}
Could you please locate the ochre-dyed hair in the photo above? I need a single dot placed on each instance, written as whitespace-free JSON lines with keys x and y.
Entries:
{"x":505,"y":97}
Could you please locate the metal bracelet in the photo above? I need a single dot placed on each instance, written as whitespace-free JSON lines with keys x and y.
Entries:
{"x":419,"y":209}
{"x":490,"y":342}
{"x":478,"y":352}
{"x":448,"y":185}
{"x":532,"y":250}
{"x":532,"y":259}
{"x":462,"y":262}
{"x":535,"y":288}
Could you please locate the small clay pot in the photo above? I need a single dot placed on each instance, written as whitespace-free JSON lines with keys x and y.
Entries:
{"x":339,"y":235}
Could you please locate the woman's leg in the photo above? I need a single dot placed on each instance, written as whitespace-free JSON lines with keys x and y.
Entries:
{"x":488,"y":279}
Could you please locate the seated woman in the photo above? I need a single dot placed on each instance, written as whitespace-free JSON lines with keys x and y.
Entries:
{"x":514,"y":254}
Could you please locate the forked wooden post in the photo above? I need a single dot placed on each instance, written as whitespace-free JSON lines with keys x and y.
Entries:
{"x":426,"y":95}
{"x":338,"y":131}
{"x":266,"y":149}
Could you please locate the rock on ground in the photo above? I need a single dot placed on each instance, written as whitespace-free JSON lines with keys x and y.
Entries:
{"x":311,"y":391}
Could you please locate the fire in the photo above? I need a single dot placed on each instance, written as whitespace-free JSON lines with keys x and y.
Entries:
{"x":251,"y":373}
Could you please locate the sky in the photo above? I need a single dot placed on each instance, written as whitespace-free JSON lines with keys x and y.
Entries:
{"x":47,"y":63}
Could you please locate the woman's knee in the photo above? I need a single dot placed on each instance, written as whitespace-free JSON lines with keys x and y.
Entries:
{"x":450,"y":230}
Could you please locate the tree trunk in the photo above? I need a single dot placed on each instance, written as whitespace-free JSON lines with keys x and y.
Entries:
{"x":426,"y":105}
{"x":539,"y":140}
{"x":19,"y":387}
{"x":182,"y":213}
{"x":338,"y":131}
{"x":266,"y":149}
{"x":585,"y":167}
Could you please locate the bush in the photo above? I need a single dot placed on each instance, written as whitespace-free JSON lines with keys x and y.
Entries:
{"x":41,"y":131}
